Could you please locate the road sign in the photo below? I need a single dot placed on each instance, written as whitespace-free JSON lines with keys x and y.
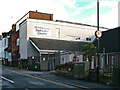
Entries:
{"x":98,"y":33}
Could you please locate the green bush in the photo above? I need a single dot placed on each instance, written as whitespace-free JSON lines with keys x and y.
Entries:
{"x":116,"y":75}
{"x":66,"y":67}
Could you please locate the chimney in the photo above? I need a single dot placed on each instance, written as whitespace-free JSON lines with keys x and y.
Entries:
{"x":14,"y":27}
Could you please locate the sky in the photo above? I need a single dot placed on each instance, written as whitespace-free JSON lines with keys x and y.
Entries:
{"x":81,"y":11}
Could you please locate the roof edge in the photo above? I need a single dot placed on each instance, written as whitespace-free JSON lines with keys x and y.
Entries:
{"x":80,"y":24}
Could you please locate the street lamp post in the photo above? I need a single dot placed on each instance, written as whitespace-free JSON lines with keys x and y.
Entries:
{"x":98,"y":41}
{"x":98,"y":34}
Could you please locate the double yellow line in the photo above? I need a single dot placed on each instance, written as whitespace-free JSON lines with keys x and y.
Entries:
{"x":42,"y":79}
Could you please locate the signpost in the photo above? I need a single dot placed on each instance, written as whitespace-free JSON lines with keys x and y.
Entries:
{"x":98,"y":34}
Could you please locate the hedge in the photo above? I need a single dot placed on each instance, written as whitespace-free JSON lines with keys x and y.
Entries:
{"x":66,"y":67}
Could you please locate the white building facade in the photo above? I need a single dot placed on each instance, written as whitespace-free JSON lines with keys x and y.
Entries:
{"x":5,"y":55}
{"x":4,"y":46}
{"x":0,"y":51}
{"x":118,"y":13}
{"x":51,"y":30}
{"x":36,"y":28}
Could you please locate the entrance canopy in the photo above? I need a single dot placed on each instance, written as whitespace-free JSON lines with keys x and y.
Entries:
{"x":53,"y":44}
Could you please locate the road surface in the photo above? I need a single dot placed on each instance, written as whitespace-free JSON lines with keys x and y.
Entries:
{"x":14,"y":78}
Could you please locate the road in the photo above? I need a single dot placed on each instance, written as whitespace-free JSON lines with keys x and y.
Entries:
{"x":13,"y":78}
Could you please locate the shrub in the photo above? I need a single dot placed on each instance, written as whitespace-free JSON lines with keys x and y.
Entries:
{"x":66,"y":67}
{"x":116,"y":75}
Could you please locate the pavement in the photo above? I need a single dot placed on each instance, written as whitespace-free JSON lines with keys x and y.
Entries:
{"x":14,"y":78}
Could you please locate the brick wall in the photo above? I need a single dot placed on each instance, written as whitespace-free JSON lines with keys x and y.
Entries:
{"x":43,"y":16}
{"x":15,"y":36}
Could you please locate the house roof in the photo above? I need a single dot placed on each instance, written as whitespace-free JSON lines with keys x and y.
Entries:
{"x":52,"y":44}
{"x":80,"y":24}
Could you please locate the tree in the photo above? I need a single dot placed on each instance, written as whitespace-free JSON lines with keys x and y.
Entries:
{"x":90,"y":50}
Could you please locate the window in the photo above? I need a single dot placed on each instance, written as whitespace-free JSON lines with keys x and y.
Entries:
{"x":112,"y":59}
{"x":92,"y":64}
{"x":57,"y":32}
{"x":77,"y":38}
{"x":17,"y":42}
{"x":5,"y":42}
{"x":43,"y":59}
{"x":5,"y":54}
{"x":81,"y":58}
{"x":112,"y":62}
{"x":107,"y":60}
{"x":88,"y":39}
{"x":73,"y":37}
{"x":63,"y":61}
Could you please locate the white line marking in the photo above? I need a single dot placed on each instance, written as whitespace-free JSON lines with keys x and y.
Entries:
{"x":36,"y":83}
{"x":7,"y":79}
{"x":76,"y":85}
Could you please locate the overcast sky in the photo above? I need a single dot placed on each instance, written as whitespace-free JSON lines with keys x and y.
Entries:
{"x":83,"y":11}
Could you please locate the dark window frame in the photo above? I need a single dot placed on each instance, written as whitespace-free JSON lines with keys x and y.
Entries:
{"x":88,"y":39}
